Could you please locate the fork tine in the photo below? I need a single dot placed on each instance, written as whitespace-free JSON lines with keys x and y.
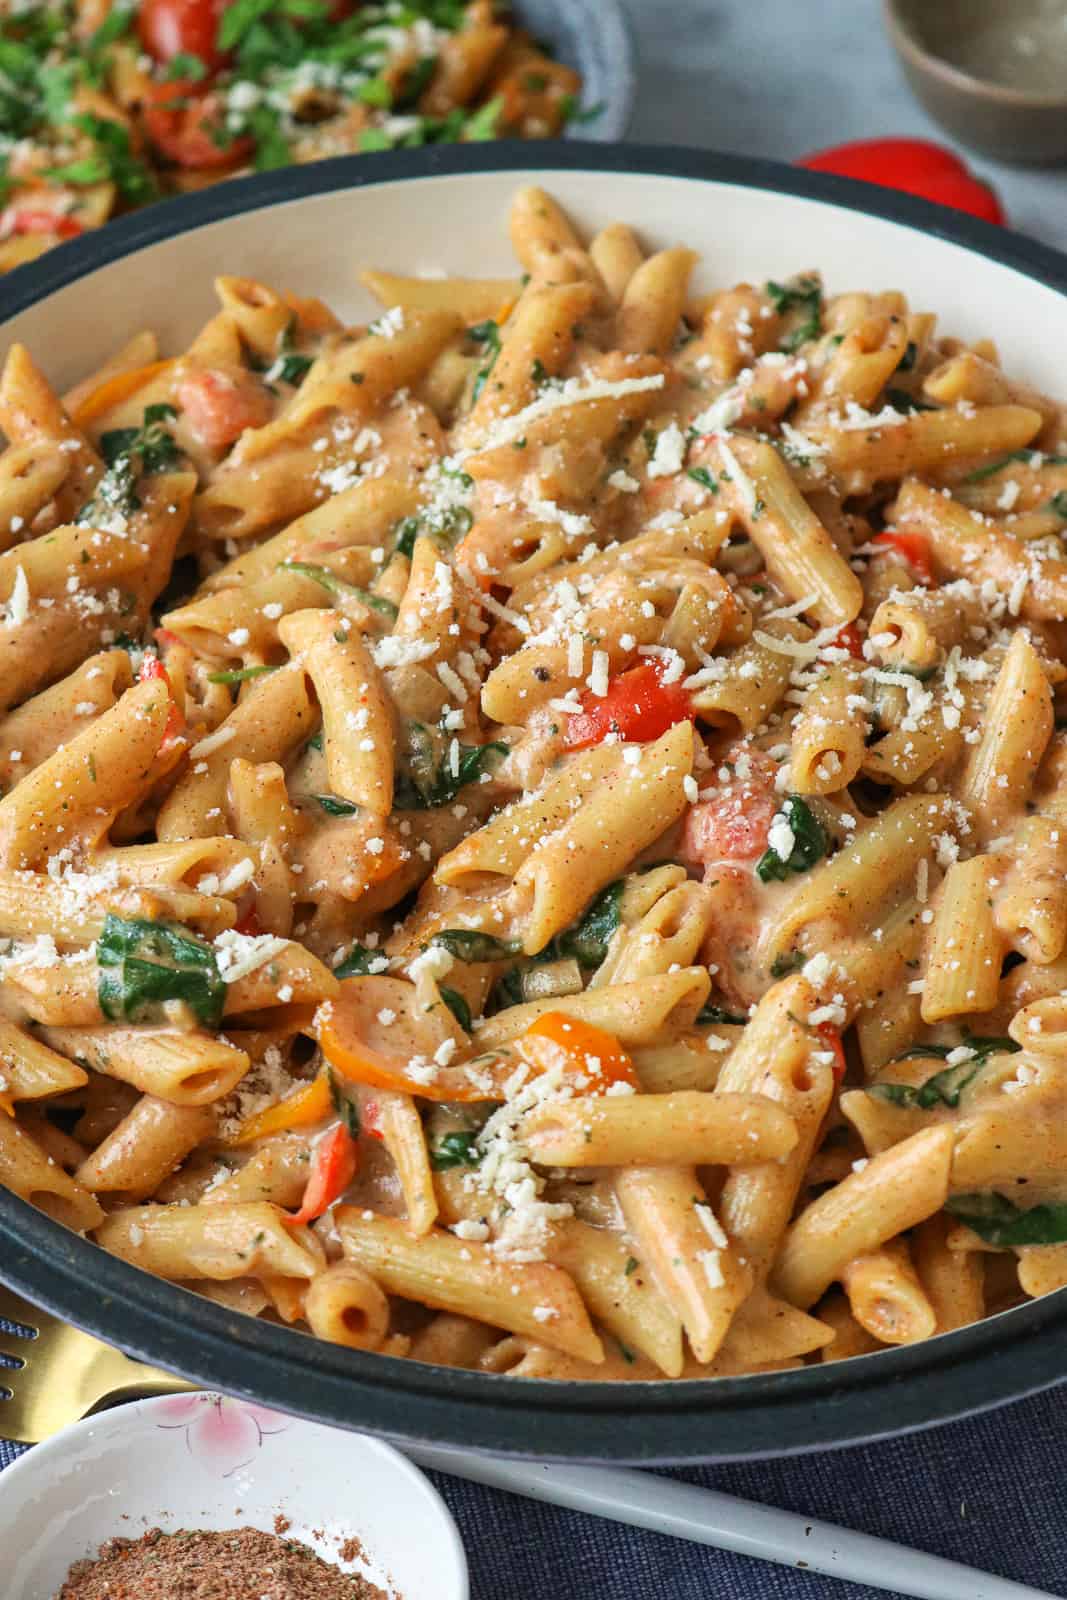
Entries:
{"x":15,"y":1345}
{"x":13,"y":1308}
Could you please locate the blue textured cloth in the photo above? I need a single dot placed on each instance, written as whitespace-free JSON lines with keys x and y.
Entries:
{"x":986,"y":1492}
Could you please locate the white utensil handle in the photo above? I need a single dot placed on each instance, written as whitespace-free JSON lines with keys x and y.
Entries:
{"x":722,"y":1520}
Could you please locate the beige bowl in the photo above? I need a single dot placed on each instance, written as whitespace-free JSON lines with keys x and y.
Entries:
{"x":993,"y":72}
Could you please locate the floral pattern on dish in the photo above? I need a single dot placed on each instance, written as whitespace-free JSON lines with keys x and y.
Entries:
{"x":222,"y":1435}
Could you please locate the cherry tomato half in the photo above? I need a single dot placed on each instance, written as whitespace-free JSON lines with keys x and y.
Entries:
{"x":182,"y":27}
{"x":180,"y":119}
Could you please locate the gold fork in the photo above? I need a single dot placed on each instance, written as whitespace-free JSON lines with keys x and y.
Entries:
{"x":63,"y":1374}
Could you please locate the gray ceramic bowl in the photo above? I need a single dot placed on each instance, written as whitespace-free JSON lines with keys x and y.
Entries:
{"x":993,"y":72}
{"x":593,"y":36}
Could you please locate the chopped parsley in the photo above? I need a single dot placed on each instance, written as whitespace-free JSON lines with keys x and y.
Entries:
{"x":803,"y":295}
{"x":487,"y":335}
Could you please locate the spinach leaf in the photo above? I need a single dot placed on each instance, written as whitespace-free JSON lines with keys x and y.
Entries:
{"x":129,"y":452}
{"x":999,"y":1222}
{"x":710,"y":1013}
{"x":429,"y":783}
{"x":143,"y":964}
{"x":587,"y":941}
{"x":944,"y":1087}
{"x":991,"y":468}
{"x":455,"y":1150}
{"x":346,"y":1109}
{"x":901,"y":400}
{"x":810,"y":843}
{"x":789,"y":961}
{"x":909,"y":358}
{"x":457,"y":1005}
{"x":468,"y":944}
{"x":358,"y":962}
{"x":340,"y":586}
{"x":1058,"y":504}
{"x":335,"y":807}
{"x":702,"y":476}
{"x":804,"y":295}
{"x":406,"y":534}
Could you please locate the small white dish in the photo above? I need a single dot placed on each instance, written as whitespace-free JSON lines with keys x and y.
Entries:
{"x":205,"y":1461}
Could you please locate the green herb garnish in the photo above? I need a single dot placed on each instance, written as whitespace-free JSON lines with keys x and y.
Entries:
{"x":803,"y":295}
{"x":143,"y":964}
{"x":470,"y":945}
{"x":455,"y":1150}
{"x":810,"y":843}
{"x":999,"y":1222}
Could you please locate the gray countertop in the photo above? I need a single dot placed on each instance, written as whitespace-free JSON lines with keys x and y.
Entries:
{"x":781,"y":78}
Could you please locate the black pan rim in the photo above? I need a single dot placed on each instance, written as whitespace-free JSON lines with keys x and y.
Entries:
{"x":1002,"y":1358}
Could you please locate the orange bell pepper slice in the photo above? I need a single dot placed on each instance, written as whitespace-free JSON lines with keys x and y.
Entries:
{"x":557,"y":1040}
{"x":369,"y":1036}
{"x":117,"y":388}
{"x":311,"y":1103}
{"x":335,"y":1165}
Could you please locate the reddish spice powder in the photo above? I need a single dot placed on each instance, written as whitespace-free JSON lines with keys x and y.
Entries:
{"x":195,"y":1564}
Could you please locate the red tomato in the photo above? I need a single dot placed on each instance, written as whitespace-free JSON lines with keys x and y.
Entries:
{"x":916,"y":166}
{"x":733,"y":825}
{"x":38,"y":219}
{"x":638,"y":705}
{"x":832,"y":1040}
{"x":221,"y":405}
{"x":179,"y":118}
{"x":850,"y":639}
{"x":336,"y":1160}
{"x":182,"y":27}
{"x":152,"y":667}
{"x":913,"y":547}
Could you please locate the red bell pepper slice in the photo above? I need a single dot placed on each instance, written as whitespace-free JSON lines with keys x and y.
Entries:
{"x":638,"y":706}
{"x":915,"y":166}
{"x":336,"y":1162}
{"x":831,"y":1038}
{"x":915,"y":549}
{"x":152,"y":667}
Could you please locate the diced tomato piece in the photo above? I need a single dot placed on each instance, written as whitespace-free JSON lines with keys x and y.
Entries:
{"x":850,"y":639}
{"x":182,"y":28}
{"x":733,"y":824}
{"x":638,"y":706}
{"x":221,"y":405}
{"x":335,"y":1164}
{"x":38,"y":219}
{"x":831,"y":1038}
{"x":370,"y":1112}
{"x":913,"y":547}
{"x":152,"y":667}
{"x":182,"y":119}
